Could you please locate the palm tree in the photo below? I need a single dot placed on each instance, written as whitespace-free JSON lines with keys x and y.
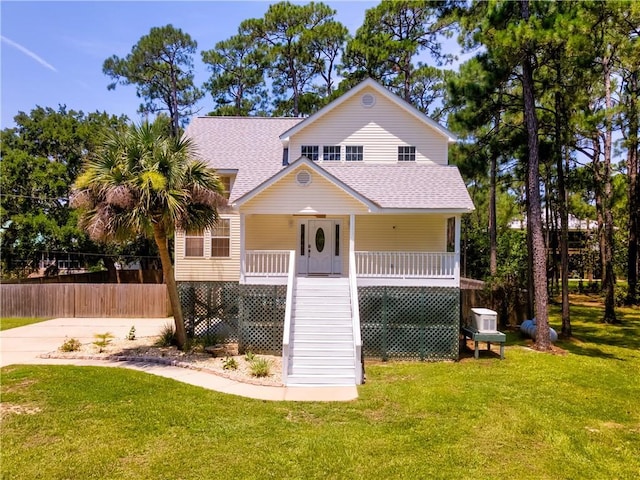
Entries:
{"x":143,"y":181}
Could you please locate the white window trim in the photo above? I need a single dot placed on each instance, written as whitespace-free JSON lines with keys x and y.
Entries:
{"x":211,"y":237}
{"x":339,"y":152}
{"x":203,"y":236}
{"x":408,"y":151}
{"x":317,"y":153}
{"x":347,"y":153}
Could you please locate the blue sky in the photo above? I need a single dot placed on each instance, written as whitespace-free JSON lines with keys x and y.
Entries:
{"x":52,"y":52}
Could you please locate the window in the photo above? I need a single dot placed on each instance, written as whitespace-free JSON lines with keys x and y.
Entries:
{"x":310,"y":151}
{"x":194,"y":244}
{"x":331,"y":153}
{"x":226,"y":182}
{"x":406,"y":154}
{"x":353,"y":153}
{"x":220,"y":238}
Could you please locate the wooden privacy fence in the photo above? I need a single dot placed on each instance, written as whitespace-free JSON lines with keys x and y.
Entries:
{"x":84,"y":300}
{"x":510,"y":305}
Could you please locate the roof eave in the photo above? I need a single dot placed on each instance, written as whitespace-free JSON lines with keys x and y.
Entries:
{"x":452,"y":210}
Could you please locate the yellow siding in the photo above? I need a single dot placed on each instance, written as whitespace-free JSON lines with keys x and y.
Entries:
{"x":411,"y":233}
{"x":270,"y":232}
{"x":320,"y":196}
{"x":379,"y":129}
{"x":207,"y":268}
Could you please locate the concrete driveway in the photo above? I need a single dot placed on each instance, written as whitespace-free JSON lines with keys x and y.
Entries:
{"x":24,"y":344}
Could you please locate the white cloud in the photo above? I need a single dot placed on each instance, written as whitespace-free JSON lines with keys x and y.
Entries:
{"x":28,"y":53}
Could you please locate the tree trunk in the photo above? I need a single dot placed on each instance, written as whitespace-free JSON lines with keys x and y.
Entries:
{"x":111,"y":269}
{"x":175,"y":109}
{"x":534,"y":213}
{"x":598,"y":180}
{"x":609,"y":274}
{"x":493,"y":234}
{"x":560,"y":115}
{"x":634,"y":193}
{"x":160,"y":236}
{"x":564,"y":249}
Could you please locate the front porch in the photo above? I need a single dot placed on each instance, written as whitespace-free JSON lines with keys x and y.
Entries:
{"x":390,"y":250}
{"x":432,"y":269}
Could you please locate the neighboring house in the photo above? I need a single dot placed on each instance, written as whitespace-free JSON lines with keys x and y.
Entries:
{"x":341,"y":240}
{"x":582,"y":246}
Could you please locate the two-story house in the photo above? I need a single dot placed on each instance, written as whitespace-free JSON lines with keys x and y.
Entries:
{"x":341,"y":239}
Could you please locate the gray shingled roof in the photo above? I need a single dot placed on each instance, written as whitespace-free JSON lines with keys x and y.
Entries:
{"x":251,"y":145}
{"x":406,"y":185}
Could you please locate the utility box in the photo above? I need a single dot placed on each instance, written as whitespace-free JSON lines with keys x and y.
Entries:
{"x":484,"y":320}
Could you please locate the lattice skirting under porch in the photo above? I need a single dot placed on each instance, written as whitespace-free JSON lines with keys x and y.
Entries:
{"x":252,"y":315}
{"x":396,"y":322}
{"x":410,"y":322}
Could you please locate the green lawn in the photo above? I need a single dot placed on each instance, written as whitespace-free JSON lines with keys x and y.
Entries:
{"x":7,"y":323}
{"x":530,"y":416}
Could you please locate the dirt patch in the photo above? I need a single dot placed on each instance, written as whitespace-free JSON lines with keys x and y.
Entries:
{"x":144,"y":350}
{"x":7,"y":409}
{"x":553,"y":349}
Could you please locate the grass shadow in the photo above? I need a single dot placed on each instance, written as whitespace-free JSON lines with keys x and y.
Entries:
{"x":591,"y":336}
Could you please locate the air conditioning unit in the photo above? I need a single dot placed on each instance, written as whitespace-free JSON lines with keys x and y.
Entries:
{"x":484,"y":320}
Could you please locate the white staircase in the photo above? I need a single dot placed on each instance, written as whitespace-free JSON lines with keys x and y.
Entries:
{"x":321,"y":344}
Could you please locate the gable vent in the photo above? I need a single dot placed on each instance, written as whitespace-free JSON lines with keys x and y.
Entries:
{"x":368,"y":100}
{"x":303,"y":178}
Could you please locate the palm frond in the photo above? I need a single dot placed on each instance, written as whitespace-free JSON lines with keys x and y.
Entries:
{"x":142,"y":177}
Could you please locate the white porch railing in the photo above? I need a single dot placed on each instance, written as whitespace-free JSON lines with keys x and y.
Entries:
{"x":355,"y":319}
{"x":267,"y":263}
{"x":286,"y":336}
{"x":406,"y":264}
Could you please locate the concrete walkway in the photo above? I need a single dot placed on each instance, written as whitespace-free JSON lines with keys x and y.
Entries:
{"x":23,"y":345}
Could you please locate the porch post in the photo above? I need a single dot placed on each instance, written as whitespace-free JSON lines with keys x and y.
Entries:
{"x":242,"y":251}
{"x":456,"y":249}
{"x":352,"y":237}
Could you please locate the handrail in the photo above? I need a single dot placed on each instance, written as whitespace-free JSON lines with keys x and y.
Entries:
{"x":286,"y":335}
{"x":355,"y":319}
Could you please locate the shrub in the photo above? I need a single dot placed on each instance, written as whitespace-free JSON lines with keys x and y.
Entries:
{"x":102,"y":340}
{"x":132,"y":333}
{"x":260,"y":367}
{"x":70,"y":345}
{"x":229,"y":363}
{"x":621,"y":293}
{"x":167,"y":336}
{"x":250,"y":356}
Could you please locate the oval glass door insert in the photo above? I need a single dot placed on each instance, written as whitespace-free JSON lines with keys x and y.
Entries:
{"x":319,"y":240}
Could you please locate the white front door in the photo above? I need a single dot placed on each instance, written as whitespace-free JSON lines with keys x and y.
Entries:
{"x":320,"y":247}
